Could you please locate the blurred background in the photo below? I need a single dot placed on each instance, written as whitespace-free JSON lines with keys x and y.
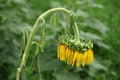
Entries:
{"x":98,"y":20}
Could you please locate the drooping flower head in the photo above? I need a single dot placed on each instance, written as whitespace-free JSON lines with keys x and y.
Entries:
{"x":75,"y":54}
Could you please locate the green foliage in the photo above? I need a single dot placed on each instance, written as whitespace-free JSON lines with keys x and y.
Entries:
{"x":97,"y":20}
{"x":13,"y":18}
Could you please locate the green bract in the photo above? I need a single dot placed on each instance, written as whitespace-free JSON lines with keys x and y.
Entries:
{"x":82,"y":46}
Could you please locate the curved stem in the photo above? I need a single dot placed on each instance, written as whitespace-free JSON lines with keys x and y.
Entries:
{"x":30,"y":39}
{"x":76,"y":34}
{"x":41,"y":17}
{"x":76,"y":41}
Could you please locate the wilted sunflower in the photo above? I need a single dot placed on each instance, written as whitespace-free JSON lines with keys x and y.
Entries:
{"x":75,"y":54}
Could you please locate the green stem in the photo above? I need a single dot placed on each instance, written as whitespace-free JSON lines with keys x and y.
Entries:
{"x":26,"y":52}
{"x":77,"y":41}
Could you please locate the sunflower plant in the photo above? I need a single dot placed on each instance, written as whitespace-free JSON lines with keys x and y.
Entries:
{"x":72,"y":49}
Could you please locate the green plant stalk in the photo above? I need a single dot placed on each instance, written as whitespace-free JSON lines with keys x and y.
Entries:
{"x":76,"y":41}
{"x":34,"y":29}
{"x":77,"y":35}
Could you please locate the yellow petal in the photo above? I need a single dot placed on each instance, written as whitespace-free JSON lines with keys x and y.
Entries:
{"x":84,"y":59}
{"x":79,"y":59}
{"x":71,"y":56}
{"x":68,"y":56}
{"x":90,"y":56}
{"x":67,"y":53}
{"x":62,"y":52}
{"x":75,"y":57}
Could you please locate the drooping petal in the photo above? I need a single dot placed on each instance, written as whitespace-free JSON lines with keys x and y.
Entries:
{"x":71,"y":56}
{"x":84,"y":59}
{"x":67,"y":53}
{"x":79,"y":59}
{"x":62,"y":53}
{"x":68,"y":56}
{"x":75,"y":57}
{"x":90,"y":56}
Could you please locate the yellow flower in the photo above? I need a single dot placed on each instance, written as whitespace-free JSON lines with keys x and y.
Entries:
{"x":73,"y":57}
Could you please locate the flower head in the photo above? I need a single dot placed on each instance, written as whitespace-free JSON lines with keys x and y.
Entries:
{"x":75,"y":54}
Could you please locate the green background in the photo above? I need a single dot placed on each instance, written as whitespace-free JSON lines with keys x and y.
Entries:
{"x":98,"y":20}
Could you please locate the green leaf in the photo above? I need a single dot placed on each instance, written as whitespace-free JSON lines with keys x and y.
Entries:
{"x":98,"y":25}
{"x":54,"y":22}
{"x":64,"y":75}
{"x":47,"y":63}
{"x":80,"y":13}
{"x":35,"y":68}
{"x":42,"y":40}
{"x":25,"y":37}
{"x":91,"y":36}
{"x":96,"y":66}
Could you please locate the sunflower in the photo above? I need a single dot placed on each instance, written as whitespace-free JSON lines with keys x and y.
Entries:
{"x":75,"y":54}
{"x":73,"y":57}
